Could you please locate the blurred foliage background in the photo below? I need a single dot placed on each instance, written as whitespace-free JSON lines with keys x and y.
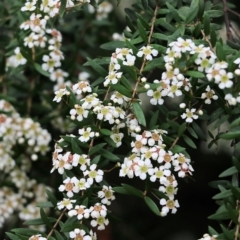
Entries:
{"x":82,"y":38}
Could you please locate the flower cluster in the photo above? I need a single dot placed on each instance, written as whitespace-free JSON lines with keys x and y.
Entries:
{"x":149,"y":159}
{"x":16,"y":131}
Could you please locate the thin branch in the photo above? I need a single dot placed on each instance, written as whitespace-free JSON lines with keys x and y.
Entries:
{"x":56,"y":223}
{"x":144,"y":59}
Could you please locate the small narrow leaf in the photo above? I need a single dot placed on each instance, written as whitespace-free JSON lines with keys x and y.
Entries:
{"x":152,"y":205}
{"x":206,"y":24}
{"x":229,"y":172}
{"x":174,"y":12}
{"x":62,"y":7}
{"x":40,"y":70}
{"x":132,"y":190}
{"x":139,"y":113}
{"x":96,"y":148}
{"x":195,"y":74}
{"x":108,"y":155}
{"x":230,"y":135}
{"x":51,"y":197}
{"x":121,"y":89}
{"x":142,"y":31}
{"x":189,"y":141}
{"x":45,"y":218}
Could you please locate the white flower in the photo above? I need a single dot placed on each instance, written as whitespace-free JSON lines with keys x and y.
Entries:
{"x":189,"y":115}
{"x":81,"y":184}
{"x":82,"y":87}
{"x":29,"y":6}
{"x":86,"y":134}
{"x":98,"y":210}
{"x":106,"y":195}
{"x":143,"y":168}
{"x":223,"y":79}
{"x":37,"y":237}
{"x":210,"y":94}
{"x":81,"y":160}
{"x":117,"y":138}
{"x":80,"y":112}
{"x":112,"y":78}
{"x":80,"y":212}
{"x":93,"y":174}
{"x":65,"y":203}
{"x":208,"y":237}
{"x":50,"y":64}
{"x":58,"y":75}
{"x":79,"y":234}
{"x":69,"y":186}
{"x":160,"y":173}
{"x":169,"y":204}
{"x":101,"y":222}
{"x":148,"y":52}
{"x":60,"y":93}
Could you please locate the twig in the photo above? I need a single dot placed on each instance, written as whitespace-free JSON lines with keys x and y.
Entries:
{"x":56,"y":223}
{"x":237,"y":227}
{"x":144,"y":59}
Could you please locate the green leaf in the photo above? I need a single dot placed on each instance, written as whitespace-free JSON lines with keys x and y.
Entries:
{"x":51,"y":197}
{"x":232,"y":213}
{"x":158,"y":193}
{"x":213,"y":37}
{"x":219,"y":52}
{"x":155,"y":63}
{"x":121,"y":89}
{"x":227,"y":234}
{"x":106,"y":132}
{"x":230,"y":135}
{"x":113,"y":45}
{"x":142,"y":20}
{"x":145,"y":4}
{"x":45,"y":205}
{"x":154,"y":120}
{"x":206,"y":24}
{"x":39,"y":221}
{"x":40,"y":70}
{"x":177,"y":149}
{"x":219,"y":215}
{"x":142,"y":31}
{"x":199,"y":131}
{"x":192,"y":14}
{"x":96,"y":159}
{"x":70,"y":224}
{"x":152,"y":205}
{"x":162,"y":22}
{"x":215,"y":13}
{"x":26,"y":232}
{"x":12,"y":236}
{"x":75,"y":147}
{"x":235,"y":191}
{"x":229,"y":172}
{"x":120,"y":190}
{"x":195,"y":74}
{"x":215,"y":184}
{"x":97,"y":67}
{"x":235,"y":123}
{"x":132,"y":190}
{"x":182,"y":129}
{"x":212,"y":231}
{"x":224,"y":194}
{"x":45,"y":218}
{"x":108,"y":155}
{"x":58,"y":235}
{"x":189,"y":141}
{"x":174,"y":12}
{"x":96,"y":148}
{"x":62,"y":7}
{"x":137,"y":109}
{"x":160,"y":36}
{"x":192,"y":132}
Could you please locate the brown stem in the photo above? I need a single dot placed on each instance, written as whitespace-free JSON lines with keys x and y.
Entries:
{"x":144,"y":59}
{"x":207,"y":40}
{"x":174,"y":143}
{"x":237,"y":227}
{"x":56,"y":223}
